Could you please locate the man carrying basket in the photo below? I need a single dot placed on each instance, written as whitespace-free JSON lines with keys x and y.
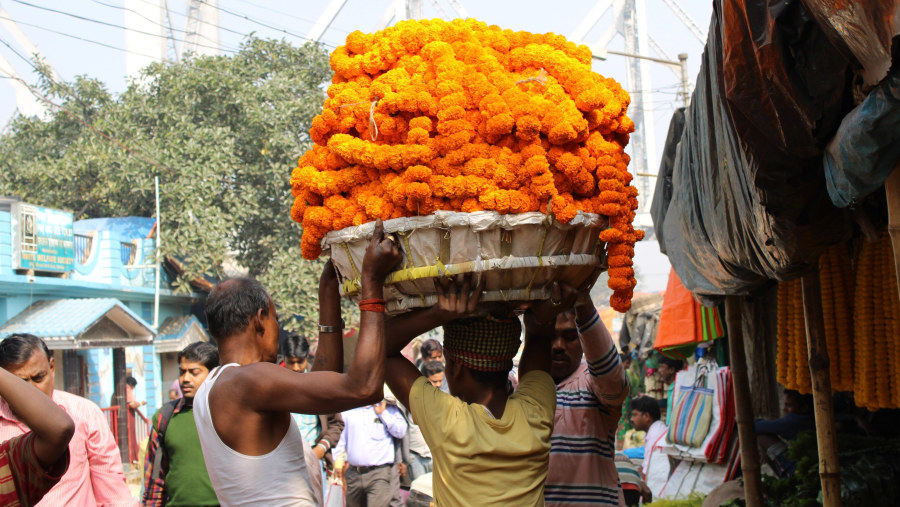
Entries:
{"x":489,"y":447}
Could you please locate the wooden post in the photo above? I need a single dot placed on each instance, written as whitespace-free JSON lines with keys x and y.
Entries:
{"x":119,"y":399}
{"x":759,"y":320}
{"x":829,"y":469}
{"x":742,"y":405}
{"x":892,"y":192}
{"x":72,"y":373}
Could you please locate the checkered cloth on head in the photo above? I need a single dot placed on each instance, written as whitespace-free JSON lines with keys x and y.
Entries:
{"x":483,"y":343}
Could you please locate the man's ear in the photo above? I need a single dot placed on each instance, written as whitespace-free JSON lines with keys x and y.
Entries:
{"x":257,"y":322}
{"x":52,"y":364}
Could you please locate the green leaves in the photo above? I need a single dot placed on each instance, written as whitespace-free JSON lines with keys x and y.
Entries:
{"x":222,"y":133}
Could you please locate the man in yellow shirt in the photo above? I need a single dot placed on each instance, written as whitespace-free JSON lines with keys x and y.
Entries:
{"x":490,"y":447}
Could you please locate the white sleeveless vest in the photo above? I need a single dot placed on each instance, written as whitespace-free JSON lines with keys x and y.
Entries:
{"x":279,"y":478}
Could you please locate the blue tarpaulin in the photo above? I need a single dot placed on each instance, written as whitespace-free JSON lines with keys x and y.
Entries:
{"x":866,"y":147}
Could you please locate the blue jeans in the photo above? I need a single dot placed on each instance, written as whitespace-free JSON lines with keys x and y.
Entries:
{"x":419,"y":465}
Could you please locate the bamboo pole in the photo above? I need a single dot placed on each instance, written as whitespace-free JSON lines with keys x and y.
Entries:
{"x":892,"y":192}
{"x":742,"y":405}
{"x":829,"y":468}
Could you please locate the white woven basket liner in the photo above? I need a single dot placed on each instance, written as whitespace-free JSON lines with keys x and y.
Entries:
{"x":518,"y":256}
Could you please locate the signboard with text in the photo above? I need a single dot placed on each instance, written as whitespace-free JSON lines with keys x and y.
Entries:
{"x":43,"y":238}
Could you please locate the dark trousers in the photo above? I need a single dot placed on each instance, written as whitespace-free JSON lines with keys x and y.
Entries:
{"x":369,"y":486}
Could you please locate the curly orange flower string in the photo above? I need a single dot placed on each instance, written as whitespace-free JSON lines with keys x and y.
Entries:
{"x":434,"y":115}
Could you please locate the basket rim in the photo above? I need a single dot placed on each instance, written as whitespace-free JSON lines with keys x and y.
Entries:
{"x":476,"y":220}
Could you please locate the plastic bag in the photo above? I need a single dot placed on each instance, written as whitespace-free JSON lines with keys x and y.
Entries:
{"x":866,"y":148}
{"x":335,"y":495}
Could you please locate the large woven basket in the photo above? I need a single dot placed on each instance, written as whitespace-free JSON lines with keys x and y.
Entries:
{"x":517,"y":256}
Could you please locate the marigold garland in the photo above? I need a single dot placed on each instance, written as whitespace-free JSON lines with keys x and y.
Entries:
{"x":861,"y":317}
{"x":434,"y":115}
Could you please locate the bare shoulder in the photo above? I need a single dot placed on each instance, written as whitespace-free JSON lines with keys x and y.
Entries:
{"x":248,"y":376}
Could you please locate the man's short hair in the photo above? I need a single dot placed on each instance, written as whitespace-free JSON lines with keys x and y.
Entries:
{"x":429,"y":347}
{"x":18,"y":348}
{"x":295,"y":346}
{"x":204,"y":353}
{"x":675,"y":364}
{"x":646,"y":405}
{"x":430,"y":368}
{"x":802,"y":400}
{"x":232,"y":303}
{"x":131,"y":381}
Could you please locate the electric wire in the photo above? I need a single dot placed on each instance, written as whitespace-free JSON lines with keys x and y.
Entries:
{"x":113,"y":25}
{"x":281,"y":13}
{"x":157,"y":23}
{"x":260,"y":23}
{"x":110,"y":46}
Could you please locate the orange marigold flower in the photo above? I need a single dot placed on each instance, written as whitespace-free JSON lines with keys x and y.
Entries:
{"x":429,"y":115}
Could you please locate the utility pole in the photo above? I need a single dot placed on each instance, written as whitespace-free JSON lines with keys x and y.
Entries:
{"x":681,"y":65}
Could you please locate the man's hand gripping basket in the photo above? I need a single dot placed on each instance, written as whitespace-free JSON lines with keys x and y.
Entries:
{"x":517,"y":257}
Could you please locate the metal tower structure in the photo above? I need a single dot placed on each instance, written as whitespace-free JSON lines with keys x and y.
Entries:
{"x":27,"y":103}
{"x":149,"y":32}
{"x":630,"y":21}
{"x":201,"y":30}
{"x":145,"y":34}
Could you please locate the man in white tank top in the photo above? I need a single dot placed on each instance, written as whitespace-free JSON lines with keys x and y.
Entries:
{"x":254,"y":454}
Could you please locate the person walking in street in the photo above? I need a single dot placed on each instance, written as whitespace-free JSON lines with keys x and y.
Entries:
{"x":368,"y":440}
{"x":590,"y":390}
{"x":95,"y":475}
{"x":32,"y":463}
{"x":253,"y":450}
{"x":174,"y":470}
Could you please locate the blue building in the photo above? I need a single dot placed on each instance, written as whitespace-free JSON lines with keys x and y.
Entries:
{"x":88,"y":288}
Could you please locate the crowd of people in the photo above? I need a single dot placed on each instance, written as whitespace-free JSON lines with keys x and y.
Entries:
{"x":264,"y":421}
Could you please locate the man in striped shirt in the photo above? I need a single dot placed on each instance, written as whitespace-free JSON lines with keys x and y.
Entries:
{"x":590,"y":390}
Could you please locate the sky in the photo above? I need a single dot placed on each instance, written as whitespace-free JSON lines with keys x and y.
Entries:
{"x":86,"y":37}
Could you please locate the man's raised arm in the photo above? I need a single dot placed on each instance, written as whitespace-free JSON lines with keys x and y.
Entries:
{"x":51,"y":426}
{"x":330,"y":351}
{"x":270,"y":388}
{"x":455,"y":301}
{"x":604,"y":366}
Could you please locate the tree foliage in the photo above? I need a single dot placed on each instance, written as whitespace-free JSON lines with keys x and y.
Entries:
{"x":222,"y":133}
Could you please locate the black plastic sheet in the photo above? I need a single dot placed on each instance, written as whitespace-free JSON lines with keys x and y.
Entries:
{"x":861,"y":30}
{"x":662,"y":194}
{"x":748,"y":200}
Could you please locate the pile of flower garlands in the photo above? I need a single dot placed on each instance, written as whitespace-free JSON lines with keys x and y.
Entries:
{"x":434,"y":115}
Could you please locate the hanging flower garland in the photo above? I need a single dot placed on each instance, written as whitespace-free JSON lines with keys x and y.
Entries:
{"x":434,"y":115}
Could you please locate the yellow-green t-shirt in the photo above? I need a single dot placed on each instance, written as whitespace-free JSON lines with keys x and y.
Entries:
{"x":480,"y":460}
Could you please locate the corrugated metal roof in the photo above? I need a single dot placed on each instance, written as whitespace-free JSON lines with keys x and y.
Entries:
{"x":68,"y":319}
{"x":176,"y":333}
{"x":174,"y":327}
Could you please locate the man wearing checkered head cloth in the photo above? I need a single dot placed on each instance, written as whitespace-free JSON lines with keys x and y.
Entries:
{"x":490,"y":447}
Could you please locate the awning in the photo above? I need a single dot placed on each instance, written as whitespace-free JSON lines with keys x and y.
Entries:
{"x":176,"y":333}
{"x":81,"y":324}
